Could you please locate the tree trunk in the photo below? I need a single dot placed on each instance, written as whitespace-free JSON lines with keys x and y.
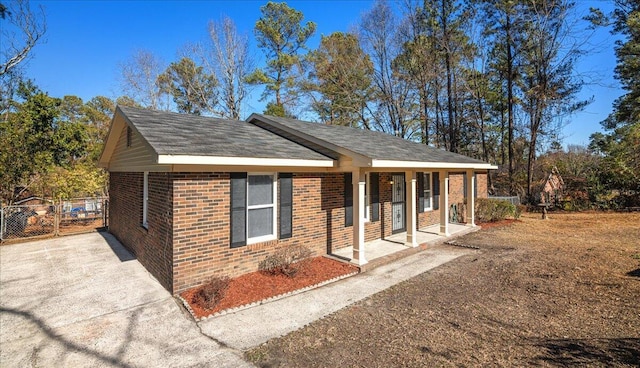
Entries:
{"x":530,"y":161}
{"x":510,"y":104}
{"x":424,"y":118}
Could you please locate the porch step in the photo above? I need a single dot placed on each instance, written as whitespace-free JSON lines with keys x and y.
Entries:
{"x":380,"y":261}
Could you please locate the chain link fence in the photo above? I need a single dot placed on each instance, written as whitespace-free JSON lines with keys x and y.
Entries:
{"x":48,"y":218}
{"x":515,"y":200}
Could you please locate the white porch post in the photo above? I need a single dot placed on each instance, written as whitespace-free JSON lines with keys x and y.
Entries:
{"x":444,"y":203}
{"x":471,"y":201}
{"x":358,"y":179}
{"x":410,"y":183}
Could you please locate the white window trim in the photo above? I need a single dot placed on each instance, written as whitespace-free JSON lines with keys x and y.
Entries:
{"x":145,"y":200}
{"x":424,"y":181}
{"x":367,"y":198}
{"x":274,"y":231}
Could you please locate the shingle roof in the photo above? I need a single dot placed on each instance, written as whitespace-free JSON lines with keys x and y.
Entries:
{"x":375,"y":145}
{"x":180,"y":134}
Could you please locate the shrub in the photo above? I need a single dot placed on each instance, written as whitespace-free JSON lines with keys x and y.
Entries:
{"x":519,"y":210}
{"x":212,"y":292}
{"x":490,"y":210}
{"x":286,"y":261}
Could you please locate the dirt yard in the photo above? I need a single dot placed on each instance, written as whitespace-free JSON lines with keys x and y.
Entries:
{"x":557,"y":292}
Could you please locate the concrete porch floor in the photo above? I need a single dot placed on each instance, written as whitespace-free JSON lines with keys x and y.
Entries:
{"x":381,"y":251}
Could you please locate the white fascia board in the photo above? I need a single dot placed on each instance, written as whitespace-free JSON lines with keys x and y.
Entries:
{"x":429,"y":165}
{"x":240,"y":161}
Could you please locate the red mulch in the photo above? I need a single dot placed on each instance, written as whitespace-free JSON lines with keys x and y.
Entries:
{"x":256,"y":286}
{"x":489,"y":225}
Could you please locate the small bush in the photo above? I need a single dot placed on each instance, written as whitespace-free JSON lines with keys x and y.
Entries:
{"x":286,"y":261}
{"x":519,"y":210}
{"x":491,"y":210}
{"x":212,"y":292}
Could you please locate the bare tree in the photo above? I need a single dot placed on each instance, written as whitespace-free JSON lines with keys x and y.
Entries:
{"x":549,"y":83}
{"x":139,"y":79}
{"x":24,"y":29}
{"x":381,"y":39}
{"x":230,"y":61}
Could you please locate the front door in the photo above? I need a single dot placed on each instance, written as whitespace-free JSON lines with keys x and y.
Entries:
{"x":397,"y":203}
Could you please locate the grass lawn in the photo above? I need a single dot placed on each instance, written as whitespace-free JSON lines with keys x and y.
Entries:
{"x":557,"y":292}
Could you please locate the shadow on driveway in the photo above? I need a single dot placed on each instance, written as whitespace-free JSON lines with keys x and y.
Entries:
{"x":84,"y":300}
{"x":118,"y":249}
{"x":69,"y":346}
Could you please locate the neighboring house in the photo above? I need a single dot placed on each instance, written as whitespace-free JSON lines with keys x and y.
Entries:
{"x":551,"y":189}
{"x":194,"y":197}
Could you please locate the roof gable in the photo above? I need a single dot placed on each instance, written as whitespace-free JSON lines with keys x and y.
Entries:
{"x":188,"y":139}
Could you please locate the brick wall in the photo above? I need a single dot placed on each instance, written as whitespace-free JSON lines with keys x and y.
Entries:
{"x":200,"y":228}
{"x":151,"y":247}
{"x":481,"y":180}
{"x":381,"y":228}
{"x":456,"y":194}
{"x":188,"y":237}
{"x":201,"y":225}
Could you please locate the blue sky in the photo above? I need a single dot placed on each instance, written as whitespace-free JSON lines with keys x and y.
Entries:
{"x":87,"y":40}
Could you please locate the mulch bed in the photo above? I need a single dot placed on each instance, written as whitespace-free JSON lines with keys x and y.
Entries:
{"x":257,"y":286}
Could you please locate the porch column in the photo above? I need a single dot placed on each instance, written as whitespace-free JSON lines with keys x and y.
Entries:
{"x":471,"y":201}
{"x":359,"y":183}
{"x":410,"y":184}
{"x":444,"y":203}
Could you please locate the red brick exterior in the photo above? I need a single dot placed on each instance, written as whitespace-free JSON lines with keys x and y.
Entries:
{"x":481,"y":179}
{"x":152,"y":247}
{"x":188,"y":236}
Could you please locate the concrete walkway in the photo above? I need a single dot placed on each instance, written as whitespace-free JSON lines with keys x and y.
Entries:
{"x":251,"y":327}
{"x":84,"y":301}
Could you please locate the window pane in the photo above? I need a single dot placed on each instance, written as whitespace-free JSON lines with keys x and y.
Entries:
{"x":260,"y":222}
{"x":427,"y":182}
{"x":260,"y":189}
{"x":427,"y":201}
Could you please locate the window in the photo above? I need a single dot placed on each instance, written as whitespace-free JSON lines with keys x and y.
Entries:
{"x":427,"y":192}
{"x":145,"y":199}
{"x":261,"y":208}
{"x":254,"y":214}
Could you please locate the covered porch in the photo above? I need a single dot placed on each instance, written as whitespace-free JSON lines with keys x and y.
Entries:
{"x":396,"y":244}
{"x":405,"y":201}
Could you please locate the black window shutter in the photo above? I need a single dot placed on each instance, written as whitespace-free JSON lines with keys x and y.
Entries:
{"x":436,"y":190}
{"x":348,"y":200}
{"x":238,"y":209}
{"x":464,"y":185}
{"x":420,"y":192}
{"x":286,"y":205}
{"x":374,"y":182}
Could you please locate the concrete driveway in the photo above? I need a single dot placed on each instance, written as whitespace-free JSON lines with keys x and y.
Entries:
{"x":85,"y":301}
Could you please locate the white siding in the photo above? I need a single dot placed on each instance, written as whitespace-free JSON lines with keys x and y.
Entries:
{"x":137,"y":157}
